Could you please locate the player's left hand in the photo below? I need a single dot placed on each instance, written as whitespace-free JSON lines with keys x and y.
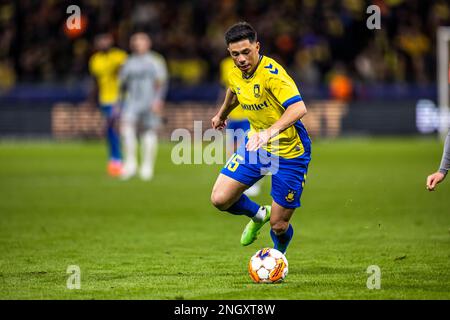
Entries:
{"x":257,"y":140}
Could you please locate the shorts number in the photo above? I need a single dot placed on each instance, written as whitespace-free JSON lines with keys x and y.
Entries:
{"x":233,"y":163}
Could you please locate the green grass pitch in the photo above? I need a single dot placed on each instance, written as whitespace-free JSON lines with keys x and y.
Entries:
{"x":364,"y":204}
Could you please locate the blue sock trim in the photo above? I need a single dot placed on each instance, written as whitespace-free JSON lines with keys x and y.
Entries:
{"x":281,"y":241}
{"x":244,"y":206}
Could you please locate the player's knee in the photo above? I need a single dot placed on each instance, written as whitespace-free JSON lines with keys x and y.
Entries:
{"x":219,"y":200}
{"x":279,"y":227}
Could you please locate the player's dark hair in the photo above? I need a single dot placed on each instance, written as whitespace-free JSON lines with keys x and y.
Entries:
{"x":240,"y":31}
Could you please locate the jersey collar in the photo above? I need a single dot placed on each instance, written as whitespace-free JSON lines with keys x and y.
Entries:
{"x":254,"y":71}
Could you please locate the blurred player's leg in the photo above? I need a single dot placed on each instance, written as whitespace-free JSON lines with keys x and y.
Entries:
{"x":130,"y":142}
{"x":112,"y":136}
{"x":254,"y":190}
{"x":149,"y":144}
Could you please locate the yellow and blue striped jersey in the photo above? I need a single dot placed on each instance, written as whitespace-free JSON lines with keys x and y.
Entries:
{"x":226,"y":66}
{"x":264,"y":96}
{"x":104,"y":66}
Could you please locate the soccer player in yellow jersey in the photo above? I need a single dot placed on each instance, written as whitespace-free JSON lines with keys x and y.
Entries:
{"x":237,"y":123}
{"x":104,"y":65}
{"x":274,"y":107}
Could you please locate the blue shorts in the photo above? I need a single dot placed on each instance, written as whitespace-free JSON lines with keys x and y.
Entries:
{"x":238,"y":124}
{"x":107,"y":110}
{"x":288,"y":175}
{"x":235,"y":125}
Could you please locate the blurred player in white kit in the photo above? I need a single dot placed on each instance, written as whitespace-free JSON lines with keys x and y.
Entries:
{"x":143,"y":81}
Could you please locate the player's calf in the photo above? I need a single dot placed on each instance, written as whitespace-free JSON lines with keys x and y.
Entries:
{"x":281,"y":230}
{"x":279,"y":227}
{"x":281,"y":237}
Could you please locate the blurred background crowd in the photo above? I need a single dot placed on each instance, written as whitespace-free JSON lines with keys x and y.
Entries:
{"x":313,"y":39}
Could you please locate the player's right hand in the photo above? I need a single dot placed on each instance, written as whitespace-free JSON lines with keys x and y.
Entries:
{"x":434,"y":179}
{"x":157,"y":107}
{"x":218,"y":123}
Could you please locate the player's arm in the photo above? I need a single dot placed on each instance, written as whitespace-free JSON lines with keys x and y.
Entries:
{"x":158,"y":103}
{"x":445,"y":163}
{"x":123,"y":85}
{"x":123,"y":78}
{"x":293,"y":113}
{"x":230,"y":102}
{"x":437,"y":177}
{"x":93,"y":92}
{"x":160,"y":86}
{"x":121,"y":58}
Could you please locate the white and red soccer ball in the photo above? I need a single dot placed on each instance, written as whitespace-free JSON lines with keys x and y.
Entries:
{"x":268,"y":265}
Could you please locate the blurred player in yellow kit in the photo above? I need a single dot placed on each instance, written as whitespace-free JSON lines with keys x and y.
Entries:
{"x":104,"y":65}
{"x":237,"y":124}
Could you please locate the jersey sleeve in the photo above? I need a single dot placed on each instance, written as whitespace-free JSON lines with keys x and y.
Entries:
{"x":282,"y":86}
{"x":161,"y":75}
{"x":230,"y":85}
{"x":161,"y":69}
{"x":445,"y":162}
{"x":123,"y":73}
{"x":93,"y":66}
{"x":120,"y":57}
